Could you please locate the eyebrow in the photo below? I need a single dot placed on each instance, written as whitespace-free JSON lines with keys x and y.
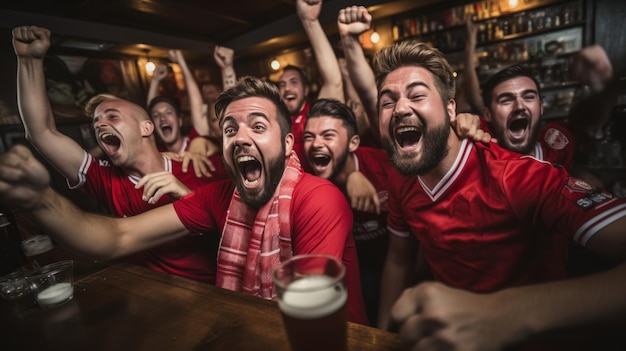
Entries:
{"x":408,"y":87}
{"x":510,"y":94}
{"x":250,"y":116}
{"x":323,"y":131}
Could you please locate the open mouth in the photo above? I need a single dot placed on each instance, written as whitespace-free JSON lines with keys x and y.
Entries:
{"x":518,"y":127}
{"x":166,"y":129}
{"x":408,"y":137}
{"x":290,"y":97}
{"x":250,"y":169}
{"x":110,"y":143}
{"x":321,"y":160}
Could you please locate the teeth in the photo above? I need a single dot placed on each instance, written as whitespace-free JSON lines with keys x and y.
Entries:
{"x":245,"y":158}
{"x":105,"y":135}
{"x":251,"y":183}
{"x":407,"y":129}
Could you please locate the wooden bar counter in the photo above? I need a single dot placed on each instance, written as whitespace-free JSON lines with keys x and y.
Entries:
{"x":126,"y":307}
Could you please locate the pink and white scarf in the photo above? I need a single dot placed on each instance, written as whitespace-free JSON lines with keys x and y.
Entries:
{"x":255,"y":242}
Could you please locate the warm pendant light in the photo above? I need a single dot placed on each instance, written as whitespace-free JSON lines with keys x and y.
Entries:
{"x":150,"y":66}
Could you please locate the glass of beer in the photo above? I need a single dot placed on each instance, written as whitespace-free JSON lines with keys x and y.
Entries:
{"x":313,"y":302}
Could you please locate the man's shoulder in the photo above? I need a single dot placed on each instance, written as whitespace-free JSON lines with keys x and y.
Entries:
{"x":311,"y":187}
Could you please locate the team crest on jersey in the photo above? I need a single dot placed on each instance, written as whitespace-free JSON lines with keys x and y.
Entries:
{"x":556,"y":139}
{"x":578,"y":185}
{"x":585,"y":195}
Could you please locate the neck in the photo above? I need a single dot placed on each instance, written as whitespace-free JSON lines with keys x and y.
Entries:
{"x":148,"y":160}
{"x":350,"y":167}
{"x":176,"y":146}
{"x":432,"y":178}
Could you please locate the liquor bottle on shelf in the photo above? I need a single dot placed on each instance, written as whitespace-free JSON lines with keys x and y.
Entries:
{"x":539,"y":53}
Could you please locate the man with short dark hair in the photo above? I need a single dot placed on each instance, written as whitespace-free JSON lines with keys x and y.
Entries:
{"x":492,"y":224}
{"x":267,"y":212}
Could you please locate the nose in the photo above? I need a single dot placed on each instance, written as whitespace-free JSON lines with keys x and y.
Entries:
{"x":519,"y":104}
{"x":97,"y":124}
{"x":242,"y":137}
{"x":402,"y":108}
{"x":317,"y":142}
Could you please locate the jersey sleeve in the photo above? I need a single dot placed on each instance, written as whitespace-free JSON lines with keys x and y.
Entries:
{"x":549,"y":197}
{"x":205,"y":208}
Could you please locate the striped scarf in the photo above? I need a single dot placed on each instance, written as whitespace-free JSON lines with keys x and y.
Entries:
{"x":255,"y":242}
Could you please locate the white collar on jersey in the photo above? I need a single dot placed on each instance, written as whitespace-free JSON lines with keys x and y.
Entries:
{"x":167,"y":164}
{"x":452,"y":174}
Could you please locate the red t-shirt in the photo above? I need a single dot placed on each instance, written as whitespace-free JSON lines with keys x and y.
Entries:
{"x":556,"y":144}
{"x":499,"y":219}
{"x":189,"y":256}
{"x":370,"y":230}
{"x":186,"y":140}
{"x":297,"y":129}
{"x":321,"y":221}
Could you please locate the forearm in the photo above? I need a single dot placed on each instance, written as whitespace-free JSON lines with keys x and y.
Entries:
{"x":229,"y":78}
{"x":198,"y":119}
{"x":81,"y":232}
{"x":394,"y":278}
{"x":38,"y":119}
{"x":103,"y":237}
{"x":153,"y":90}
{"x":583,"y":303}
{"x":32,"y":99}
{"x":362,"y":77}
{"x":327,"y":65}
{"x":589,"y":116}
{"x":471,"y":83}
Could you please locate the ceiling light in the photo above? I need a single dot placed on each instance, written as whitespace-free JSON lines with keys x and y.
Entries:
{"x":375,"y":38}
{"x":275,"y":64}
{"x":150,"y":66}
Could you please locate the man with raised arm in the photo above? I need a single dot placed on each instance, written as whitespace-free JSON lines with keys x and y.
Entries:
{"x":134,"y":178}
{"x":268,"y":211}
{"x":293,"y":83}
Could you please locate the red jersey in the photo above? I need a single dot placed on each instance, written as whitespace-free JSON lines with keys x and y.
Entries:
{"x":555,"y":144}
{"x":297,"y":128}
{"x":321,"y":222}
{"x":370,"y":230}
{"x":186,"y":139}
{"x":109,"y":185}
{"x":499,"y":219}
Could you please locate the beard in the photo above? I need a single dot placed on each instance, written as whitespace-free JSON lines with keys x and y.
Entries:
{"x":294,"y":107}
{"x":522,"y":148}
{"x":341,"y":163}
{"x":434,"y":150}
{"x":273,"y":173}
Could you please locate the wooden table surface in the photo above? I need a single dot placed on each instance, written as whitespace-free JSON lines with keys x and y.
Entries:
{"x":126,"y":307}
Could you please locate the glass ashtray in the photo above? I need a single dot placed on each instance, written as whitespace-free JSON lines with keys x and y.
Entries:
{"x":14,"y":286}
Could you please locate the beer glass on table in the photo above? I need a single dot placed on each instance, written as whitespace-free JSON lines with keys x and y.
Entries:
{"x":313,"y":302}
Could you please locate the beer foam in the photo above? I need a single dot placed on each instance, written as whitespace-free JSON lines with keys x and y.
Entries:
{"x":320,"y":300}
{"x":56,"y":293}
